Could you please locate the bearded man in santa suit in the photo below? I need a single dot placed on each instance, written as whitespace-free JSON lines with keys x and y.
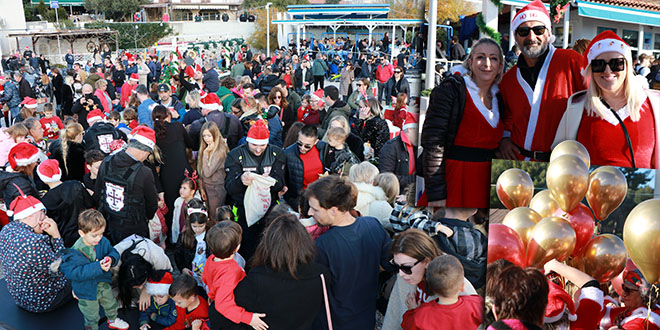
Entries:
{"x":536,"y":89}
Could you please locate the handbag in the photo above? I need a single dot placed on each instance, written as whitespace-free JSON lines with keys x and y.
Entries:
{"x":327,"y":304}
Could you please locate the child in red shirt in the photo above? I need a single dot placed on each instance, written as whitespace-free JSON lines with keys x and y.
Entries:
{"x":192,"y":311}
{"x":51,"y":123}
{"x":304,"y":108}
{"x":222,"y":274}
{"x":444,"y":277}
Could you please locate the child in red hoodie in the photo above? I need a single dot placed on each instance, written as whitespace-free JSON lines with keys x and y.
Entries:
{"x":222,"y":274}
{"x":304,"y":108}
{"x":192,"y":310}
{"x":50,"y":123}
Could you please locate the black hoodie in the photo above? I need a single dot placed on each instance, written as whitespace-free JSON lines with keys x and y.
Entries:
{"x":10,"y":180}
{"x":63,"y":204}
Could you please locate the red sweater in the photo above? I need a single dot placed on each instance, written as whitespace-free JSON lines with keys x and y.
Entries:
{"x":185,"y":318}
{"x":49,"y":125}
{"x":467,"y":313}
{"x":126,"y":90}
{"x":222,"y":277}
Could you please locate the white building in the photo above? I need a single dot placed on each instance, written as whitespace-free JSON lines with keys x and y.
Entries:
{"x":12,"y":19}
{"x":187,"y":10}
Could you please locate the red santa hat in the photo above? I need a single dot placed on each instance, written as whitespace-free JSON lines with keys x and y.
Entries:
{"x":130,"y":57}
{"x":258,"y":133}
{"x":412,"y":121}
{"x":29,"y":102}
{"x":558,"y":301}
{"x":533,"y":11}
{"x":134,"y":77}
{"x":318,"y":96}
{"x":24,"y":206}
{"x":607,"y":41}
{"x":23,"y":154}
{"x":143,"y":135}
{"x":49,"y":171}
{"x":94,"y":116}
{"x":159,"y":287}
{"x":210,"y":102}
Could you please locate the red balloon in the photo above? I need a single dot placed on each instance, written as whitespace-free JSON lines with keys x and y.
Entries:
{"x":504,"y":243}
{"x":582,"y":222}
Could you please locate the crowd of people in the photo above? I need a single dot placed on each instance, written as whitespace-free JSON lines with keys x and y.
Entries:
{"x":220,"y":191}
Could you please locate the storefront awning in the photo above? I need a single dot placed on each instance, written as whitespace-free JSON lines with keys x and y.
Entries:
{"x":618,"y":14}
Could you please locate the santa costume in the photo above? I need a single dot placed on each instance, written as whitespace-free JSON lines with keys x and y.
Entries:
{"x":639,"y":318}
{"x":128,"y":89}
{"x":605,"y":137}
{"x":583,"y":315}
{"x":532,"y":113}
{"x":469,"y":159}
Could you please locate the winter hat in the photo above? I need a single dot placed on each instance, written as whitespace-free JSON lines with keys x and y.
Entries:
{"x":24,"y":206}
{"x":258,"y":133}
{"x":49,"y":171}
{"x":607,"y":41}
{"x":318,"y":96}
{"x":533,"y":11}
{"x":210,"y":102}
{"x":94,"y":116}
{"x":29,"y":102}
{"x":144,"y":137}
{"x":159,"y":287}
{"x":558,"y":300}
{"x":633,"y":277}
{"x":134,"y":77}
{"x":412,"y":121}
{"x":130,"y":58}
{"x":23,"y":154}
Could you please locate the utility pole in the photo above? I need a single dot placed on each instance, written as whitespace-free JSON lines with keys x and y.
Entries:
{"x":268,"y":28}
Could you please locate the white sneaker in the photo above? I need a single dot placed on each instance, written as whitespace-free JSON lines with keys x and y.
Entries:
{"x":118,"y":324}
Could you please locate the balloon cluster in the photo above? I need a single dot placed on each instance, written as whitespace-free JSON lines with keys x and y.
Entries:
{"x":554,"y":224}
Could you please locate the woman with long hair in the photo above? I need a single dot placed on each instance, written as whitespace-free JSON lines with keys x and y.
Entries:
{"x":413,"y":250}
{"x":288,"y":76}
{"x":211,"y":167}
{"x":370,"y":126}
{"x":58,"y":83}
{"x":284,"y":279}
{"x":463,"y":129}
{"x":615,"y":118}
{"x":172,"y":139}
{"x":276,"y":106}
{"x":69,"y":151}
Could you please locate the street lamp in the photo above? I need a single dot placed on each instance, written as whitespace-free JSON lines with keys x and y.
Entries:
{"x":268,"y":28}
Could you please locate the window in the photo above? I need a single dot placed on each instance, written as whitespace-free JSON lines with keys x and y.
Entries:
{"x":601,"y":29}
{"x":656,"y":44}
{"x":647,"y":40}
{"x":631,"y":37}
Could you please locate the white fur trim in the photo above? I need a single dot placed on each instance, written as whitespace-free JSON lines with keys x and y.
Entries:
{"x":158,"y":288}
{"x":407,"y":126}
{"x":144,"y":140}
{"x":553,"y":319}
{"x":531,"y":15}
{"x":255,"y":141}
{"x":492,"y":116}
{"x":28,"y":211}
{"x":641,"y":313}
{"x":30,"y":105}
{"x":52,"y":179}
{"x":210,"y":106}
{"x":133,"y":79}
{"x":593,"y":294}
{"x":610,"y":45}
{"x":94,"y":119}
{"x":572,"y":317}
{"x":26,"y":162}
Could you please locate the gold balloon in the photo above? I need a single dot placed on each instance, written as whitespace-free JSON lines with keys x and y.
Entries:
{"x":543,"y":204}
{"x":641,"y":236}
{"x":522,"y":220}
{"x":571,"y":147}
{"x":551,"y":238}
{"x":607,"y":190}
{"x":514,"y":188}
{"x":567,"y":178}
{"x":604,"y":257}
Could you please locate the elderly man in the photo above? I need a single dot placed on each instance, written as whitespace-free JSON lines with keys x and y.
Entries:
{"x":86,"y":104}
{"x":535,"y":90}
{"x":28,"y":247}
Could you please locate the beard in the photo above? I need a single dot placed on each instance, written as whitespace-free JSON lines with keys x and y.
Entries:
{"x":533,"y":49}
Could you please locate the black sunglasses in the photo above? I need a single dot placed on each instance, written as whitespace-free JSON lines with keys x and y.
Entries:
{"x":405,"y":268}
{"x":628,"y":290}
{"x":616,"y":65}
{"x":306,"y":146}
{"x":358,"y":85}
{"x":397,"y":71}
{"x":524,"y":31}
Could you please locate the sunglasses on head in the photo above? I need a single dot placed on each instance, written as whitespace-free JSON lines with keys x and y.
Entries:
{"x":406,"y":269}
{"x":524,"y":31}
{"x":615,"y":64}
{"x":306,"y":146}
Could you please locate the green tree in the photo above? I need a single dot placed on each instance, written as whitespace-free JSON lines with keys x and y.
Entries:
{"x":279,"y":4}
{"x":135,"y":35}
{"x":117,"y":10}
{"x":42,"y":11}
{"x":258,"y":38}
{"x":536,"y":171}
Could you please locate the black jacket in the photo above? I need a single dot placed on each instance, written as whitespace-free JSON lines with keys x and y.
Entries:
{"x":394,"y":158}
{"x":75,"y":159}
{"x":393,"y":88}
{"x":294,"y":172}
{"x":309,"y":78}
{"x":235,"y":128}
{"x":211,"y":82}
{"x":100,"y":135}
{"x":266,"y":83}
{"x":8,"y":183}
{"x":67,"y":100}
{"x":63,"y":204}
{"x":24,"y":89}
{"x":444,"y":114}
{"x":280,"y":296}
{"x":84,"y":109}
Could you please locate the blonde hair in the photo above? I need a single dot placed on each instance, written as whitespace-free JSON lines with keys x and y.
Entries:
{"x":344,"y":124}
{"x":244,"y":81}
{"x":363,"y":172}
{"x":500,"y":57}
{"x":390,"y":185}
{"x":193,"y":99}
{"x":250,"y":103}
{"x":17,"y":130}
{"x":100,"y":83}
{"x":69,"y":134}
{"x":374,"y":106}
{"x":337,"y":133}
{"x":219,"y":147}
{"x":634,"y":93}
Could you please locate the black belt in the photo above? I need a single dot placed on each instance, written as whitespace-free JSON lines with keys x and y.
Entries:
{"x":468,"y":154}
{"x":535,"y":155}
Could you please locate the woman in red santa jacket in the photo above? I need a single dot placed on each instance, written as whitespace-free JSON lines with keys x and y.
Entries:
{"x":615,"y":118}
{"x":462,"y":130}
{"x":637,"y":294}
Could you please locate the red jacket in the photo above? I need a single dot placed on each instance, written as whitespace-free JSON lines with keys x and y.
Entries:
{"x":185,"y":318}
{"x":384,"y":73}
{"x":222,"y":277}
